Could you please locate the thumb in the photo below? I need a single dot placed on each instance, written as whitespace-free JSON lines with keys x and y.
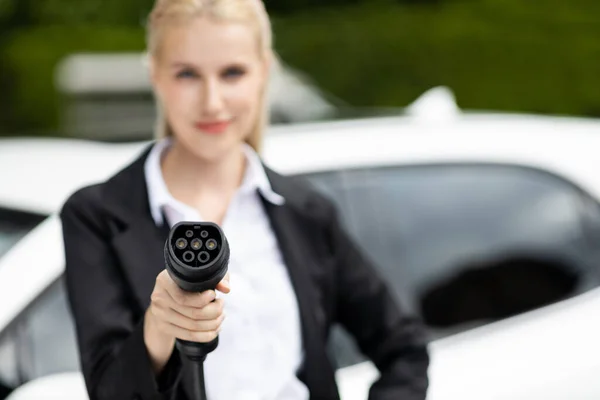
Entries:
{"x":223,"y":286}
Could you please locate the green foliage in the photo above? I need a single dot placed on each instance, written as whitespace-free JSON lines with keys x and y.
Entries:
{"x":293,"y":6}
{"x":6,"y":10}
{"x":30,"y":59}
{"x":507,"y":55}
{"x":107,"y":12}
{"x":82,"y":12}
{"x":494,"y":54}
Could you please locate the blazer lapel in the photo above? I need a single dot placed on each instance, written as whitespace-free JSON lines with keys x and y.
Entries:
{"x":138,"y":242}
{"x":140,"y":249}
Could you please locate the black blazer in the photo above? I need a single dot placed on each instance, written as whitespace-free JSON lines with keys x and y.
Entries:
{"x":114,"y":251}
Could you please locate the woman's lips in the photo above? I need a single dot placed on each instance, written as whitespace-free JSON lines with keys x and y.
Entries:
{"x":213,"y":127}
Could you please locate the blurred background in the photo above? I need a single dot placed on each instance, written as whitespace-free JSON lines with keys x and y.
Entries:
{"x":470,"y":132}
{"x":365,"y":56}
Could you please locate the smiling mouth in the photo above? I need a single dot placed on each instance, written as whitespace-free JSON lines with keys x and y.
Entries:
{"x":213,"y":127}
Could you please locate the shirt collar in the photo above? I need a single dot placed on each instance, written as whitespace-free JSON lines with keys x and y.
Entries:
{"x":255,"y":178}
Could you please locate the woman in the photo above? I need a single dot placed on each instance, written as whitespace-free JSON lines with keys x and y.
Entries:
{"x":294,"y":271}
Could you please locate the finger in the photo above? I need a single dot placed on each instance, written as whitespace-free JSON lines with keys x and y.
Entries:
{"x":208,"y":312}
{"x":212,"y":311}
{"x":165,"y":282}
{"x":224,"y":286}
{"x":192,"y":336}
{"x":192,"y":299}
{"x":175,"y":318}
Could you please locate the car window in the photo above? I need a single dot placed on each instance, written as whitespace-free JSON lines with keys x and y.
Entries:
{"x":43,"y":338}
{"x":465,"y":245}
{"x":13,"y":226}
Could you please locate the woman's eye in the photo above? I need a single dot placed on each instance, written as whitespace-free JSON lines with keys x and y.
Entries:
{"x":185,"y":74}
{"x":233,"y":73}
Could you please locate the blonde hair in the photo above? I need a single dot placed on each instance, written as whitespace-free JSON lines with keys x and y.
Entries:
{"x":251,"y":12}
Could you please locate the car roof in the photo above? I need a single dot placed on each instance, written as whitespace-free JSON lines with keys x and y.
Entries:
{"x":41,"y":173}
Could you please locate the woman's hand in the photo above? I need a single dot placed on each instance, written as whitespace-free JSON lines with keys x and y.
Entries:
{"x":176,"y":314}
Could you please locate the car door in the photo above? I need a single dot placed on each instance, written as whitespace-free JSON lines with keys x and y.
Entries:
{"x":465,"y":245}
{"x":14,"y":225}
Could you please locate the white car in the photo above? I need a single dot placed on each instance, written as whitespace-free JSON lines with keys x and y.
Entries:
{"x":486,"y":225}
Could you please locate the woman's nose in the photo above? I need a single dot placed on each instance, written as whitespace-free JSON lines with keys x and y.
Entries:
{"x":213,"y":98}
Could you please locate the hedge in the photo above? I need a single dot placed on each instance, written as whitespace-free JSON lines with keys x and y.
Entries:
{"x":495,"y":54}
{"x":30,"y":58}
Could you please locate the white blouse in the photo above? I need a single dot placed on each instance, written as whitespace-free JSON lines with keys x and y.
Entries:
{"x":260,"y":343}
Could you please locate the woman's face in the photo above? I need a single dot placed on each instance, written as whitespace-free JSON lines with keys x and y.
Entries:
{"x":209,"y":77}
